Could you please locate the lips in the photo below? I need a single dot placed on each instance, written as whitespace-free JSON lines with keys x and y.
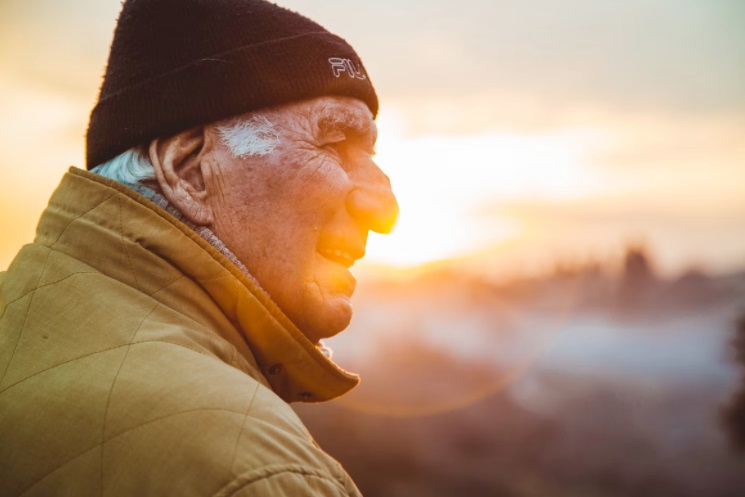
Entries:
{"x":340,"y":254}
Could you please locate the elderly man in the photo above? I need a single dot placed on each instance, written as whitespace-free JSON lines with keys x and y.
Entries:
{"x":174,"y":298}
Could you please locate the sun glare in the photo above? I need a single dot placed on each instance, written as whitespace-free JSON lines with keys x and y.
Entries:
{"x":445,"y":183}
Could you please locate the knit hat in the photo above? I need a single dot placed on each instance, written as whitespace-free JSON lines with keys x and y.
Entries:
{"x":176,"y":64}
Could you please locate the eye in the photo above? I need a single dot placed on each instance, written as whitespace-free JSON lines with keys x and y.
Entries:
{"x":335,"y":143}
{"x":333,"y":149}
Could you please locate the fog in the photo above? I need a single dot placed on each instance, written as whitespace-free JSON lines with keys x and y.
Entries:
{"x":585,"y":381}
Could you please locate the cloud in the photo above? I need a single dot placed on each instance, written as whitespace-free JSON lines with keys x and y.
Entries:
{"x":60,"y":47}
{"x":659,"y":54}
{"x":664,"y":54}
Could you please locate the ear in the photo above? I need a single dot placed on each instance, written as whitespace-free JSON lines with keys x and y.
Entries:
{"x":177,"y":162}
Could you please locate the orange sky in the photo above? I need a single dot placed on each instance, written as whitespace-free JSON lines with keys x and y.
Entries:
{"x":521,"y":132}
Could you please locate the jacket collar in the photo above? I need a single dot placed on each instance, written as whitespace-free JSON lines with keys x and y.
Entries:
{"x":296,"y":369}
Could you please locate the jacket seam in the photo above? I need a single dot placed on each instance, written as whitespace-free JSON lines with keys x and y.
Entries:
{"x":243,"y":425}
{"x":25,"y":316}
{"x":108,"y":349}
{"x":245,"y":480}
{"x":124,"y":245}
{"x":111,"y":390}
{"x":102,"y":443}
{"x":39,"y":287}
{"x":181,"y":276}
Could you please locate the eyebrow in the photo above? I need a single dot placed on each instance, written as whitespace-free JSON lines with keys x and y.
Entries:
{"x":348,"y":120}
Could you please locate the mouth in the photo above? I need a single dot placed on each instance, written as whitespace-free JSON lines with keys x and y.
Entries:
{"x":340,"y":256}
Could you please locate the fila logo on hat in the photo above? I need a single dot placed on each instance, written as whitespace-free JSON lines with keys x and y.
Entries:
{"x":340,"y":65}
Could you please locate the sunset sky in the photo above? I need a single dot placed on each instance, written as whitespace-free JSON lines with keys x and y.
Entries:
{"x":513,"y":132}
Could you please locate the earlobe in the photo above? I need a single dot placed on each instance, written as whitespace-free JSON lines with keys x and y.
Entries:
{"x":178,"y":165}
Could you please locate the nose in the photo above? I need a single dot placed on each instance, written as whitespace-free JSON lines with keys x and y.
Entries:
{"x":371,"y":202}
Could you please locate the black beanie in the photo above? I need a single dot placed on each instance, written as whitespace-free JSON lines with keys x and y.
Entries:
{"x":176,"y":64}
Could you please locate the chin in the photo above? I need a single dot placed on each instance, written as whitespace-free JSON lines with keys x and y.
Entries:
{"x":328,"y":320}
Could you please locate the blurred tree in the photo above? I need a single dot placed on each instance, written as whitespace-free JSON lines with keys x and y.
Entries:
{"x":637,"y":279}
{"x":637,"y":269}
{"x":734,"y":413}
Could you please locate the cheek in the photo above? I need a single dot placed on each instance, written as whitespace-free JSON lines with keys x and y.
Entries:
{"x":317,"y":190}
{"x":316,"y":167}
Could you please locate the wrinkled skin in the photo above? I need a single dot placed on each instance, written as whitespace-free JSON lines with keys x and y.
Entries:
{"x":297,"y":217}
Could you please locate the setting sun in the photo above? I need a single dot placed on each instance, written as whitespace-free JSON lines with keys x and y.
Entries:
{"x":445,"y":184}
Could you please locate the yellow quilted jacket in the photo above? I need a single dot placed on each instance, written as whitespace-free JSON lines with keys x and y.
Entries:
{"x":136,"y":360}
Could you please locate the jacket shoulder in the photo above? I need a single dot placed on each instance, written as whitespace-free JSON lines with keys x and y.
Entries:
{"x":275,"y":455}
{"x":197,"y":426}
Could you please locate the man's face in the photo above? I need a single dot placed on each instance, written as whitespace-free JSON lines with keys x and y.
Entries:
{"x":298,"y":217}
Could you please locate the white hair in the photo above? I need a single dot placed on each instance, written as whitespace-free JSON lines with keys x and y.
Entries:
{"x":244,"y":137}
{"x":131,"y":167}
{"x":254,"y":135}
